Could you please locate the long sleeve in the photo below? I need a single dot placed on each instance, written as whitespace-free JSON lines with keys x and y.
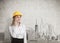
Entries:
{"x":25,"y":36}
{"x":10,"y":30}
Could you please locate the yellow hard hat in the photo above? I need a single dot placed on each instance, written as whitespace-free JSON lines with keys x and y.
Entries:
{"x":17,"y":13}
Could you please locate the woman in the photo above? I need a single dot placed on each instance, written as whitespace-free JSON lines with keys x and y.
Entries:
{"x":17,"y":30}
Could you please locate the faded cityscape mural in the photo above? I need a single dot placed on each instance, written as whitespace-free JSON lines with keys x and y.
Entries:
{"x":41,"y":17}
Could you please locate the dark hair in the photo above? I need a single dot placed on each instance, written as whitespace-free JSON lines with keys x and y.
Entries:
{"x":13,"y":20}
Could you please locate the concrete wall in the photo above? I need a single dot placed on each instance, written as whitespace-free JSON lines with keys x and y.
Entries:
{"x":48,"y":10}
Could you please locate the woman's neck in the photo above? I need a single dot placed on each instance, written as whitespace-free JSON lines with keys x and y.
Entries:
{"x":17,"y":24}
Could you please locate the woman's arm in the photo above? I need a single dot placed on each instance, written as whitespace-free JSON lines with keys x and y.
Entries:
{"x":10,"y":30}
{"x":25,"y":36}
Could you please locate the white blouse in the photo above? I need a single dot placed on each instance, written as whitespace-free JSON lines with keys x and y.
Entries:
{"x":18,"y":32}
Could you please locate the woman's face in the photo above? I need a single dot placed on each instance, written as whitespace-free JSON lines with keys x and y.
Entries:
{"x":17,"y":18}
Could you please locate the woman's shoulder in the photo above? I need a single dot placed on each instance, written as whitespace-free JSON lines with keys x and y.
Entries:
{"x":10,"y":26}
{"x":23,"y":26}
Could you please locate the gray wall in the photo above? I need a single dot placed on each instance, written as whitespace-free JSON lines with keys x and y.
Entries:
{"x":48,"y":10}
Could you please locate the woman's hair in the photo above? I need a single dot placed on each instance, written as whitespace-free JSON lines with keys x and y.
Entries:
{"x":13,"y":21}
